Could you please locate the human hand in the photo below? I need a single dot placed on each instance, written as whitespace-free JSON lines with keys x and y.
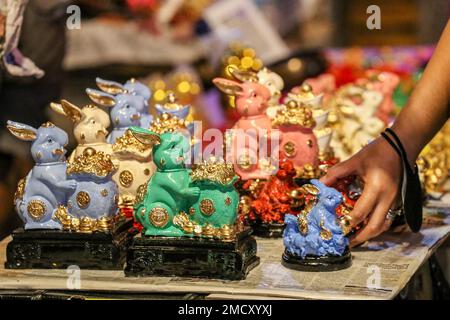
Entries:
{"x":380,"y":168}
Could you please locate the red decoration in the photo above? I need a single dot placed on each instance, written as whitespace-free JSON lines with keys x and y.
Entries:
{"x":274,"y":200}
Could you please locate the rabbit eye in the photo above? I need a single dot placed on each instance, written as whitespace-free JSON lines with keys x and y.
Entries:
{"x":49,"y":140}
{"x":127,"y":106}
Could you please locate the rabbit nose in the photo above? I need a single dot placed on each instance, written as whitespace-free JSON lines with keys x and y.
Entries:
{"x":59,"y":151}
{"x":135,"y":116}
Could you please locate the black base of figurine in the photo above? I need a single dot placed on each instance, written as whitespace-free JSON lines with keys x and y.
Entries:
{"x":268,"y":230}
{"x":192,"y":257}
{"x":316,"y":263}
{"x":54,"y":249}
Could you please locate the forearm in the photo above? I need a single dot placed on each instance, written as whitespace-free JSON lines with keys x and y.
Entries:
{"x":428,"y":107}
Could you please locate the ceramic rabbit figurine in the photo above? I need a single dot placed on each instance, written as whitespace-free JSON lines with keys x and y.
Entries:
{"x":90,"y":127}
{"x":45,"y":189}
{"x":315,"y":232}
{"x":169,"y":192}
{"x":126,"y":110}
{"x":251,"y":102}
{"x":134,"y":87}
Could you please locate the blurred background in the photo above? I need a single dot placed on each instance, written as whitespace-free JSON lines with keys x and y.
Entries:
{"x":180,"y":45}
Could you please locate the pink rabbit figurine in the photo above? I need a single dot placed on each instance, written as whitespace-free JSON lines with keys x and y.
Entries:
{"x":251,"y":100}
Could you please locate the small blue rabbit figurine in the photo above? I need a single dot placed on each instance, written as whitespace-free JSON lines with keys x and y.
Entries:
{"x":45,"y":189}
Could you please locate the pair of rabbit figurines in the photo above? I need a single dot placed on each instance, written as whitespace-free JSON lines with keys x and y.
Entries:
{"x":76,"y":196}
{"x":182,"y":202}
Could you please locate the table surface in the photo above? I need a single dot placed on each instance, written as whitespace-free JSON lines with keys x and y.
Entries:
{"x":380,"y":270}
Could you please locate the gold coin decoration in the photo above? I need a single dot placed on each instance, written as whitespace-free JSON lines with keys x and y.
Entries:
{"x":227,"y":201}
{"x":244,"y":162}
{"x":36,"y":209}
{"x":126,"y":178}
{"x":289,"y":149}
{"x":207,"y":207}
{"x":83,"y":199}
{"x":104,"y":192}
{"x":159,"y":217}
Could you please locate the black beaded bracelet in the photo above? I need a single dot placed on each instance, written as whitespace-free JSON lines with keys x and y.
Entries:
{"x":411,"y":188}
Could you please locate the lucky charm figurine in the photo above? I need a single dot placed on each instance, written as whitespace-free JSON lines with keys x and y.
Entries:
{"x":168,"y":192}
{"x":133,"y":87}
{"x":188,"y":218}
{"x":46,"y":188}
{"x":68,"y":209}
{"x":126,"y":110}
{"x":90,"y":127}
{"x":251,"y":100}
{"x":93,"y":205}
{"x":314,"y":239}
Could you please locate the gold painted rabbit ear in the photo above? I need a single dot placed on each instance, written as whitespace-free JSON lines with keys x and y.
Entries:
{"x":110,"y":87}
{"x":102,"y":98}
{"x":242,"y":75}
{"x":57,"y":107}
{"x":22,"y":131}
{"x":71,"y":111}
{"x":149,"y":139}
{"x":311,"y":189}
{"x":229,"y":87}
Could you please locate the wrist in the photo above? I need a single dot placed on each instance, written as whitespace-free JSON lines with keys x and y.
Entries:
{"x":412,"y":143}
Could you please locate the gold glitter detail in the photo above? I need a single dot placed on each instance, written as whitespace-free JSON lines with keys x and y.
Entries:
{"x":303,"y":224}
{"x":167,"y":123}
{"x":126,"y":178}
{"x":294,"y":114}
{"x":207,"y":207}
{"x":36,"y":209}
{"x":325,"y":234}
{"x":85,"y":224}
{"x":159,"y":217}
{"x":128,"y":142}
{"x":140,"y":193}
{"x":83,"y":199}
{"x":92,"y":162}
{"x":48,"y":124}
{"x":213,"y":170}
{"x":104,"y":192}
{"x":18,"y":195}
{"x":224,"y":233}
{"x":289,"y":149}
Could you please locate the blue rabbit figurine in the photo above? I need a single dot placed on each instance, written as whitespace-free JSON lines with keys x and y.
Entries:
{"x":133,"y":87}
{"x":315,"y":232}
{"x":126,"y":110}
{"x":45,"y":190}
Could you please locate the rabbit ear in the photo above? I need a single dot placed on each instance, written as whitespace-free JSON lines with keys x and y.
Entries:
{"x":110,"y":87}
{"x":145,"y":136}
{"x":72,"y":111}
{"x":57,"y":107}
{"x":242,"y":75}
{"x":311,"y":189}
{"x":22,"y":131}
{"x":229,"y":87}
{"x":102,"y":98}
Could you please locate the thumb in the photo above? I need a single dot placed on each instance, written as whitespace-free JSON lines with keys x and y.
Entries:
{"x":341,"y":170}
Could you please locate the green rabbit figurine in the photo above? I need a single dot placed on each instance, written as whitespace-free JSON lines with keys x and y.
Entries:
{"x":168,"y":190}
